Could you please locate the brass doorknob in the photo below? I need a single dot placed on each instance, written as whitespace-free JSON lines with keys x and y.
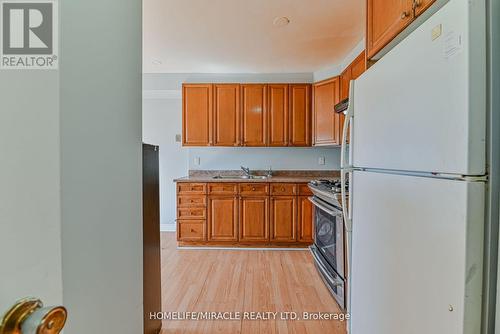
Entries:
{"x":28,"y":316}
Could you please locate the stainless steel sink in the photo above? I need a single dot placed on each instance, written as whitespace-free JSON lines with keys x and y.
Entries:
{"x":240,"y":177}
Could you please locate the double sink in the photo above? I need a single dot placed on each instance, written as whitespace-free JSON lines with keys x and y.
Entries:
{"x":247,"y":176}
{"x":240,"y":177}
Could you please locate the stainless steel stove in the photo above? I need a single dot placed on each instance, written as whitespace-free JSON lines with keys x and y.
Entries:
{"x":329,"y":237}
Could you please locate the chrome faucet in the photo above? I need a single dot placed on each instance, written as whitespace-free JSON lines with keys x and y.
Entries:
{"x":246,"y":170}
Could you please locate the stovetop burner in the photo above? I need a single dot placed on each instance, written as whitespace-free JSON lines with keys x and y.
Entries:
{"x":333,"y":186}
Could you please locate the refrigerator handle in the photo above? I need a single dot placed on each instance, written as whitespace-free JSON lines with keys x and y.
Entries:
{"x":346,"y":168}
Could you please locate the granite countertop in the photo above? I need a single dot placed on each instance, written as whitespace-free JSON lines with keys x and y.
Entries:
{"x":278,"y":176}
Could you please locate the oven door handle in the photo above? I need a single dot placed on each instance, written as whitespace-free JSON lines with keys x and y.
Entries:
{"x":323,"y":207}
{"x":333,"y":281}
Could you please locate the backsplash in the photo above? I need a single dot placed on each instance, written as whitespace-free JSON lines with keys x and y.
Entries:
{"x":293,"y":158}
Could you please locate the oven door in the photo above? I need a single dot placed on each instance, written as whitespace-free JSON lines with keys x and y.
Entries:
{"x":329,"y":234}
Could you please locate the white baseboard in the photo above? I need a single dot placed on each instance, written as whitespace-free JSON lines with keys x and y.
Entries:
{"x":168,"y":227}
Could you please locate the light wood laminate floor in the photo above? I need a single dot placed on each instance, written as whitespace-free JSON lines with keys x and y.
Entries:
{"x":243,"y":281}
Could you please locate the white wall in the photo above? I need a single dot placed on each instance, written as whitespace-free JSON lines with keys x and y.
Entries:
{"x":101,"y":162}
{"x":30,"y":222}
{"x":231,"y":158}
{"x":161,"y":121}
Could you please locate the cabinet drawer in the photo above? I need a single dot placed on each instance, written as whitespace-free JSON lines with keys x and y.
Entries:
{"x":304,"y":190}
{"x":191,"y":201}
{"x":191,"y":213}
{"x":284,"y":189}
{"x":191,"y":188}
{"x":251,"y":189}
{"x":222,"y":189}
{"x":191,"y":230}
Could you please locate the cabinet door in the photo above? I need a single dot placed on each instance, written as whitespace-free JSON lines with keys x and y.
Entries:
{"x":254,"y":115}
{"x":300,"y":115}
{"x":305,"y":219}
{"x":254,"y":219}
{"x":222,"y":219}
{"x":326,"y":121}
{"x":421,"y":6}
{"x":385,"y":20}
{"x":196,"y":114}
{"x":277,"y":97}
{"x":358,"y":66}
{"x":345,"y":79}
{"x":226,"y":114}
{"x":283,"y":218}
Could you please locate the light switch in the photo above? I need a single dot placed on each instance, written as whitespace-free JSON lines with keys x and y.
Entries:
{"x":321,"y":160}
{"x":197,"y":161}
{"x":178,"y":138}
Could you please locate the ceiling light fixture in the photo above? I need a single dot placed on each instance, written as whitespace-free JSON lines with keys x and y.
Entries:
{"x":281,"y":21}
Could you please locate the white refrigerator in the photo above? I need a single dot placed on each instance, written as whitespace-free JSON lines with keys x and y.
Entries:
{"x":416,"y":164}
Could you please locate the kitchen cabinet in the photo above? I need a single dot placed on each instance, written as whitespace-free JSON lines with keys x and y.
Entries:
{"x":326,"y":122}
{"x":277,"y":103}
{"x":275,"y":115}
{"x":352,"y":72}
{"x":420,"y":6}
{"x":242,"y":212}
{"x":197,"y":114}
{"x":222,"y":218}
{"x":226,"y":114}
{"x":283,"y":218}
{"x":300,"y":115}
{"x":254,"y":125}
{"x":305,"y":219}
{"x":387,"y":18}
{"x":254,"y":219}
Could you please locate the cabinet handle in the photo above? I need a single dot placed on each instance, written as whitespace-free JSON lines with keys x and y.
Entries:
{"x":417,"y":3}
{"x":253,"y":188}
{"x":192,"y":231}
{"x":404,"y":15}
{"x":283,"y":189}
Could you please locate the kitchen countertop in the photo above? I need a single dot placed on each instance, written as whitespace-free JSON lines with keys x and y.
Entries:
{"x":278,"y":176}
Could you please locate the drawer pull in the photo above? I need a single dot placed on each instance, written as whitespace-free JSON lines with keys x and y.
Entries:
{"x":253,"y":188}
{"x":282,"y":189}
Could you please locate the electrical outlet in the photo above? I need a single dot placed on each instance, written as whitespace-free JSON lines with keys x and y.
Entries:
{"x":321,"y":160}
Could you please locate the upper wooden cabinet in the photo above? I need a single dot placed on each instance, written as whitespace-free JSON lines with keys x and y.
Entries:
{"x":387,"y":18}
{"x":226,"y":114}
{"x":247,"y":115}
{"x":278,"y":114}
{"x":326,"y":122}
{"x":197,"y":114}
{"x":254,"y":115}
{"x":300,"y":115}
{"x":352,"y":72}
{"x":421,"y":6}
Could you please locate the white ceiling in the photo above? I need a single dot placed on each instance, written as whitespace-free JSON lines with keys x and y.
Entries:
{"x":238,"y":36}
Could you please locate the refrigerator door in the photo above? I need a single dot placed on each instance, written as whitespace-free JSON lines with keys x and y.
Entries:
{"x":416,"y":255}
{"x":421,"y":107}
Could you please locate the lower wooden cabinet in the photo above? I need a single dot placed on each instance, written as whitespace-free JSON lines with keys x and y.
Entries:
{"x":254,"y":219}
{"x":283,"y":218}
{"x":305,"y":219}
{"x":222,"y":218}
{"x":263,"y":214}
